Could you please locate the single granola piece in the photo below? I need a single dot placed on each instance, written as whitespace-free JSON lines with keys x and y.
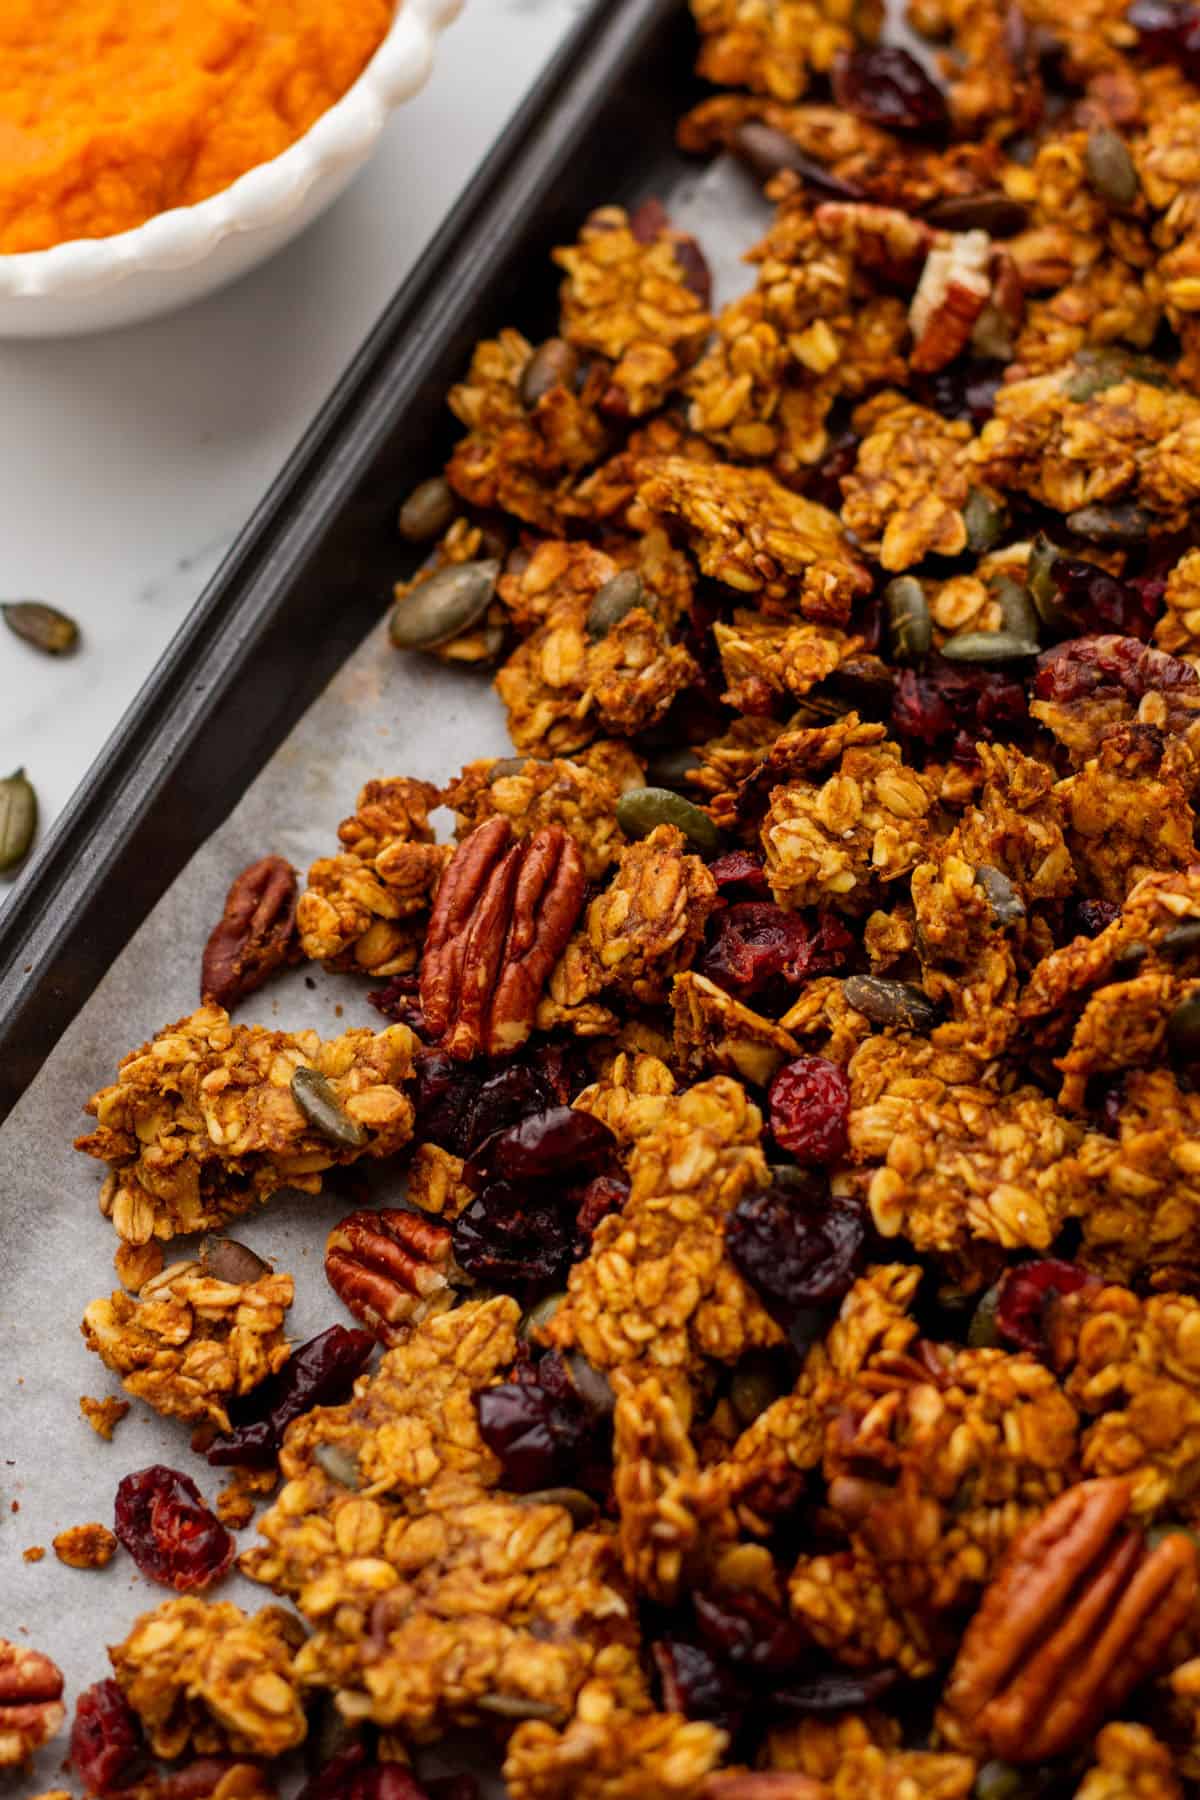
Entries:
{"x":1079,"y":1614}
{"x":995,"y":87}
{"x":361,"y":908}
{"x":773,"y":48}
{"x":1127,"y":811}
{"x":191,"y":1343}
{"x":649,"y":922}
{"x":1122,"y":1026}
{"x":1143,"y":1216}
{"x":718,"y":1035}
{"x":237,"y":1500}
{"x":1108,"y":302}
{"x":90,"y":1546}
{"x":1072,"y":438}
{"x":31,"y":1708}
{"x":1134,"y":1366}
{"x":103,"y":1415}
{"x":435,"y":1182}
{"x":657,"y":1289}
{"x":255,"y":935}
{"x":632,"y":1095}
{"x":531,"y":793}
{"x":840,"y":1600}
{"x":905,"y":495}
{"x":201,"y":1124}
{"x":1130,"y":1764}
{"x":205,"y":1675}
{"x":612,"y":1751}
{"x":833,"y":841}
{"x":954,"y":1159}
{"x":503,"y":915}
{"x":757,"y":537}
{"x":630,"y":296}
{"x":763,"y":658}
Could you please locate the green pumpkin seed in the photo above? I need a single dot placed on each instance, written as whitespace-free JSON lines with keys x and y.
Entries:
{"x":983,"y":1333}
{"x":612,"y":601}
{"x":985,"y":519}
{"x":670,"y":768}
{"x":540,"y":1315}
{"x":447,"y":604}
{"x":340,"y":1465}
{"x":517,"y":1706}
{"x":1109,"y":166}
{"x":1000,"y":1781}
{"x":1181,"y":941}
{"x":864,"y":680}
{"x":591,"y":1384}
{"x":1097,"y":370}
{"x":42,"y":626}
{"x":988,"y":647}
{"x":910,"y":626}
{"x":890,"y":1002}
{"x":18,"y":819}
{"x":1129,"y":959}
{"x":754,"y":1386}
{"x":324,"y":1112}
{"x":430,"y":509}
{"x":224,"y":1259}
{"x":1183,"y":1030}
{"x":504,"y":766}
{"x":553,"y":364}
{"x":1043,"y":589}
{"x":1017,"y":610}
{"x":641,"y":809}
{"x":810,"y":1183}
{"x":1006,"y":904}
{"x":581,"y":1506}
{"x":1122,"y":527}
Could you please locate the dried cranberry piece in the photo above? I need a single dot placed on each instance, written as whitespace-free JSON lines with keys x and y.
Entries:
{"x":824,"y":485}
{"x":541,"y":1145}
{"x":400,"y":1002}
{"x":1095,"y":601}
{"x":830,"y":948}
{"x":443,"y":1092}
{"x":752,"y":945}
{"x":834,"y":1692}
{"x":353,"y":1775}
{"x":964,"y":389}
{"x":695,"y":1684}
{"x":810,"y":1110}
{"x":542,"y":1432}
{"x":939,"y":702}
{"x":743,"y":1626}
{"x":563,"y":1068}
{"x":321,"y":1372}
{"x":1090,"y":917}
{"x":740,"y":872}
{"x":1026,"y":1291}
{"x":508,"y":1239}
{"x":1122,"y":665}
{"x":603,"y":1195}
{"x":504,"y":1097}
{"x":1168,"y":31}
{"x":888,"y":87}
{"x":799,"y":1252}
{"x":107,"y":1750}
{"x":168,"y":1530}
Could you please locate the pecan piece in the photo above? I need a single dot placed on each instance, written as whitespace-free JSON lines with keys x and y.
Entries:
{"x":391,"y":1268}
{"x":31,"y":1708}
{"x":502,"y":917}
{"x":952,"y":292}
{"x":256,"y":933}
{"x":1079,"y":1613}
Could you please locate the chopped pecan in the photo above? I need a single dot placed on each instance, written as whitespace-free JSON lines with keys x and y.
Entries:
{"x":1079,"y":1614}
{"x":31,"y":1708}
{"x":950,"y":296}
{"x":503,"y":914}
{"x":391,"y":1268}
{"x":256,"y":933}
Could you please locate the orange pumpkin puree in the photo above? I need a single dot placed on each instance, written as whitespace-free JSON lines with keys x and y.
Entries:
{"x":114,"y":110}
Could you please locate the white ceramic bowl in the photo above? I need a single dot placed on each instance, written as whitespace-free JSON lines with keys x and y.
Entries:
{"x":178,"y":256}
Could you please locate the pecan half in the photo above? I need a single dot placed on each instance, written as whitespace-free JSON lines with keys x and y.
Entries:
{"x":502,"y":917}
{"x":391,"y":1268}
{"x":1079,"y":1613}
{"x":256,"y":933}
{"x":31,"y":1708}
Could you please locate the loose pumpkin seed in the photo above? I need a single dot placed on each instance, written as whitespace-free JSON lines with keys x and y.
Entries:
{"x":591,"y":1384}
{"x":983,"y":1333}
{"x":910,"y":626}
{"x":755,"y":1385}
{"x":766,"y":151}
{"x":641,"y":809}
{"x":985,"y":519}
{"x":1006,"y":903}
{"x":613,"y":600}
{"x":670,"y":768}
{"x":340,"y":1465}
{"x":1039,"y":578}
{"x":1109,"y":166}
{"x":890,"y":1002}
{"x":988,"y":647}
{"x":1183,"y":1030}
{"x":581,"y":1506}
{"x":224,"y":1259}
{"x":1016,"y":608}
{"x":1119,"y":526}
{"x":45,"y":627}
{"x":553,"y":364}
{"x":430,"y":510}
{"x":324,"y":1112}
{"x":18,"y":819}
{"x":1182,"y":940}
{"x":449,"y":602}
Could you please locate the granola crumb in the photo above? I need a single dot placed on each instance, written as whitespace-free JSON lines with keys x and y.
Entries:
{"x":90,"y":1546}
{"x":34,"y":1554}
{"x":103,"y":1415}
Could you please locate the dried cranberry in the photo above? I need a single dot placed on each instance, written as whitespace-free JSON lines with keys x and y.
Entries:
{"x":603,"y":1195}
{"x":964,"y":389}
{"x":830,"y":948}
{"x":810,"y":1110}
{"x":1025,"y":1292}
{"x":508,"y":1239}
{"x":936,"y":703}
{"x":800,"y":1252}
{"x":168,"y":1530}
{"x":1168,"y":31}
{"x":541,"y":1145}
{"x":697,"y":1685}
{"x":541,"y":1430}
{"x":752,"y":945}
{"x":1088,"y":918}
{"x":824,"y":485}
{"x":1095,"y":601}
{"x":888,"y":87}
{"x":106,"y":1740}
{"x":354,"y":1775}
{"x":741,"y":1625}
{"x":1123,"y":665}
{"x":400,"y":1001}
{"x":833,"y":1692}
{"x":740,"y":872}
{"x":562,"y":1067}
{"x":320,"y":1373}
{"x":443,"y":1092}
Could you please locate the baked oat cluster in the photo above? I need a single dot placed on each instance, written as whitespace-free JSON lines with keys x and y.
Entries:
{"x":783,"y":1233}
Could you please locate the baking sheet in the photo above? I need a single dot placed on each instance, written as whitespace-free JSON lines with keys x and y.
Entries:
{"x":383,"y":714}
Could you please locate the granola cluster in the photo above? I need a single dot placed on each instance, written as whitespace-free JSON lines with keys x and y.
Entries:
{"x":789,"y":1384}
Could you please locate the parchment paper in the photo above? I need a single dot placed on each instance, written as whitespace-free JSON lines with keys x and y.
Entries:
{"x":384,"y":714}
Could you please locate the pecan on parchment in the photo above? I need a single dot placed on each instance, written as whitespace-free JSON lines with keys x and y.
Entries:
{"x":256,"y":933}
{"x":1079,"y":1613}
{"x":31,"y":1708}
{"x":503,"y":914}
{"x":391,"y":1268}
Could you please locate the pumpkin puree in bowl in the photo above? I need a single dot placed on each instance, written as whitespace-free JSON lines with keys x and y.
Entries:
{"x":114,"y":110}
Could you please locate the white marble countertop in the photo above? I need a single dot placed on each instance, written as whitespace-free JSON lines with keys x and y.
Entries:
{"x":130,"y":460}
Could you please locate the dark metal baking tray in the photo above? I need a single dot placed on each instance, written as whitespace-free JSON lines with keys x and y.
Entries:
{"x":312,"y":570}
